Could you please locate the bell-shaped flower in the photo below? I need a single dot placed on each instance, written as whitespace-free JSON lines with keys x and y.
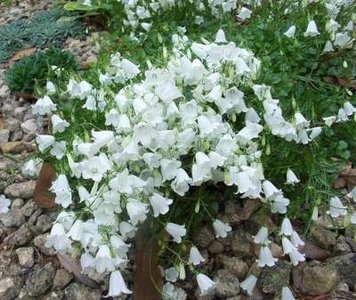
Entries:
{"x":296,"y":257}
{"x":266,"y":258}
{"x":249,"y":132}
{"x":95,"y":167}
{"x":117,"y":285}
{"x":204,"y":283}
{"x":337,"y":208}
{"x":279,"y":204}
{"x":58,"y":124}
{"x":262,"y":236}
{"x":195,"y":257}
{"x":287,"y":245}
{"x":103,"y":260}
{"x":160,"y":204}
{"x":270,"y":190}
{"x":332,"y":26}
{"x":58,"y":238}
{"x":171,"y":274}
{"x":291,"y":177}
{"x":352,"y":194}
{"x":328,"y":47}
{"x":76,"y":231}
{"x":60,"y":187}
{"x":4,"y":204}
{"x":43,"y":106}
{"x":180,"y":184}
{"x":137,"y":211}
{"x":286,"y":227}
{"x":342,"y":39}
{"x":290,"y":33}
{"x":287,"y":294}
{"x":296,"y":240}
{"x":127,"y":230}
{"x":220,"y":37}
{"x":221,"y":229}
{"x":176,"y":231}
{"x":44,"y":141}
{"x":58,"y":149}
{"x":169,"y":168}
{"x":86,"y":261}
{"x":50,"y":87}
{"x":249,"y":284}
{"x":244,"y":14}
{"x":312,"y":29}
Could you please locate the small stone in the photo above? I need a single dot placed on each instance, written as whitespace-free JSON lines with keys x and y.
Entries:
{"x":77,"y":291}
{"x":54,"y":295}
{"x":32,"y":220}
{"x":240,"y":245}
{"x":20,"y":112}
{"x":274,"y":278}
{"x":44,"y":223}
{"x":227,"y":284}
{"x":234,"y":264}
{"x":12,"y":124}
{"x":16,"y":135}
{"x":13,"y":218}
{"x":29,"y":127}
{"x":319,"y":278}
{"x":204,"y":237}
{"x":28,"y":209}
{"x":13,"y":147}
{"x":9,"y":288}
{"x":216,"y":247}
{"x":341,"y":246}
{"x":62,"y":279}
{"x":17,"y":203}
{"x":22,"y":190}
{"x":4,"y":136}
{"x":20,"y":237}
{"x":26,"y":257}
{"x":40,"y":280}
{"x":342,"y":287}
{"x":40,"y":241}
{"x":324,"y":238}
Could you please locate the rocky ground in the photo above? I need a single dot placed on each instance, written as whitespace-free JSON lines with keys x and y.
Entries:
{"x":29,"y":270}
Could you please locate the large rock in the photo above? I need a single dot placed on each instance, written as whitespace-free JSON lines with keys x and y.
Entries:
{"x":25,"y":256}
{"x":9,"y":287}
{"x":274,"y":278}
{"x":227,"y":284}
{"x":29,"y":127}
{"x":40,"y":280}
{"x":346,"y":266}
{"x":13,"y":147}
{"x":240,"y":245}
{"x":77,"y":291}
{"x":234,"y":264}
{"x":22,"y":190}
{"x":14,"y":218}
{"x":20,"y":237}
{"x":319,"y":278}
{"x":62,"y":279}
{"x":44,"y":223}
{"x":324,"y":238}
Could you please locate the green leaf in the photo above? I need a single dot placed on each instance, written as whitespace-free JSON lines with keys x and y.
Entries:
{"x":75,"y":6}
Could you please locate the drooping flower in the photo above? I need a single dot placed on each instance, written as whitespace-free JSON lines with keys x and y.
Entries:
{"x":176,"y":231}
{"x":249,"y":284}
{"x":60,"y":187}
{"x":221,"y":229}
{"x":244,"y":14}
{"x":262,"y":236}
{"x":117,"y":285}
{"x":58,"y":238}
{"x":312,"y":29}
{"x":137,"y":211}
{"x":266,"y":258}
{"x":160,"y":204}
{"x":58,"y":124}
{"x":44,"y":141}
{"x":287,"y":245}
{"x":286,"y":227}
{"x":290,"y":33}
{"x":204,"y":283}
{"x":171,"y":274}
{"x":195,"y":257}
{"x":337,"y":208}
{"x":220,"y":36}
{"x":352,"y":194}
{"x":291,"y":177}
{"x":296,"y":240}
{"x":296,"y":257}
{"x":43,"y":106}
{"x":103,"y":260}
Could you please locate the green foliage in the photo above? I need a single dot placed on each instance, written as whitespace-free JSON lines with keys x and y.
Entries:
{"x":35,"y":70}
{"x":45,"y":29}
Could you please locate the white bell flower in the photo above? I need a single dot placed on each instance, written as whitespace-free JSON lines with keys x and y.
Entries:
{"x":160,"y":204}
{"x":117,"y":285}
{"x":266,"y":258}
{"x":342,"y":39}
{"x":58,"y":149}
{"x":127,"y":230}
{"x":352,"y":194}
{"x":329,"y":120}
{"x":169,"y":168}
{"x":137,"y":211}
{"x":43,"y":106}
{"x":220,"y":37}
{"x":291,"y":177}
{"x":244,"y":14}
{"x":32,"y":167}
{"x":103,"y":260}
{"x":296,"y":240}
{"x":312,"y":30}
{"x":204,"y":283}
{"x":4,"y":204}
{"x":58,"y":239}
{"x":180,"y":184}
{"x":60,"y":187}
{"x":279,"y":204}
{"x":171,"y":274}
{"x":328,"y":47}
{"x":86,"y":261}
{"x":337,"y":208}
{"x":296,"y":257}
{"x":287,"y":294}
{"x":286,"y":227}
{"x":195,"y":257}
{"x":262,"y":236}
{"x":270,"y":190}
{"x":50,"y":87}
{"x":176,"y":231}
{"x":249,"y":284}
{"x":58,"y":124}
{"x":44,"y":141}
{"x":287,"y":245}
{"x":290,"y":33}
{"x":95,"y":167}
{"x":221,"y":229}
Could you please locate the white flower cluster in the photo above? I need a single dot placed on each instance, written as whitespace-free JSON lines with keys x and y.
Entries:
{"x":167,"y":129}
